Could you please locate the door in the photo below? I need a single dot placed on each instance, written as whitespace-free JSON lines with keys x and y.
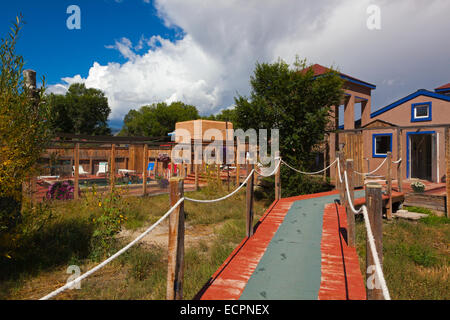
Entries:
{"x":353,"y":149}
{"x":421,"y":156}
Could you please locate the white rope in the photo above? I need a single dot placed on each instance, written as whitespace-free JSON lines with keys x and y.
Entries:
{"x":369,"y":173}
{"x":224,"y":197}
{"x":398,"y":161}
{"x":118,"y":253}
{"x":373,"y":248}
{"x":273,"y":172}
{"x":310,"y":173}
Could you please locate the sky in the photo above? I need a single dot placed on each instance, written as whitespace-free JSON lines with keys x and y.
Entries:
{"x":203,"y":52}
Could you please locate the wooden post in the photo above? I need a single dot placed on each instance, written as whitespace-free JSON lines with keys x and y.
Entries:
{"x":76,"y":171}
{"x":375,"y":211}
{"x":238,"y":167}
{"x":175,"y":267}
{"x":196,"y":168}
{"x":447,"y":174}
{"x":144,"y":169}
{"x":389,"y":186}
{"x":278,"y":180}
{"x":399,"y":165}
{"x":341,"y":185}
{"x":113,"y":166}
{"x":351,"y":233}
{"x":249,"y":202}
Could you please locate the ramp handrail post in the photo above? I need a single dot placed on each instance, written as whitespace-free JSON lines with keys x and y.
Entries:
{"x":351,"y":234}
{"x":374,"y":210}
{"x":341,"y":185}
{"x":278,"y":179}
{"x":249,"y":202}
{"x":175,"y":264}
{"x":389,"y":186}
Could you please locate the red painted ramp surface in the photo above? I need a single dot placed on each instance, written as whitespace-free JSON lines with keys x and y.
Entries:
{"x":341,"y":277}
{"x":229,"y":281}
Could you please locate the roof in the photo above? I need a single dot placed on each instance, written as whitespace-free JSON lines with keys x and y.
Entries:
{"x":445,"y":87}
{"x":421,"y":92}
{"x":320,"y":70}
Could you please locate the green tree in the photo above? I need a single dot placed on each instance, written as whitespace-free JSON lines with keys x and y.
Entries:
{"x":80,"y":111}
{"x":225,"y":115}
{"x":297,"y":103}
{"x":157,"y":119}
{"x":24,"y":128}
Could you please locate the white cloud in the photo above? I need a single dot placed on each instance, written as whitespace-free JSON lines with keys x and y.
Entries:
{"x":224,"y":38}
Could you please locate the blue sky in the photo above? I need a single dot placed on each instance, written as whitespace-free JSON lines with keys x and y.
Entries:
{"x":203,"y":52}
{"x":52,"y":49}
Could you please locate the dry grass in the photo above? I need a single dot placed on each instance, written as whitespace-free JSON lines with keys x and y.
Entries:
{"x":141,"y":272}
{"x":416,"y":258}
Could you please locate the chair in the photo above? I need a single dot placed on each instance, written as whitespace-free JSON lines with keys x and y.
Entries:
{"x":102,"y":168}
{"x":80,"y":170}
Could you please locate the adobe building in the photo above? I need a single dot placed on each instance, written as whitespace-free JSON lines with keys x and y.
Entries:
{"x":411,"y":128}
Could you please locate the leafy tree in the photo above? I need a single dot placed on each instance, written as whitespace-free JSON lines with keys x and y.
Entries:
{"x":24,"y":128}
{"x":80,"y":111}
{"x":157,"y":119}
{"x":297,"y":103}
{"x":225,"y":115}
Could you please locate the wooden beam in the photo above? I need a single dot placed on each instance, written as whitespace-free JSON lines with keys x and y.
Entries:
{"x":76,"y":171}
{"x":278,"y":180}
{"x":175,"y":272}
{"x":400,"y":164}
{"x":447,"y":174}
{"x":113,"y":166}
{"x":351,"y":233}
{"x":389,"y":186}
{"x":249,"y":202}
{"x":144,"y":169}
{"x":375,"y":212}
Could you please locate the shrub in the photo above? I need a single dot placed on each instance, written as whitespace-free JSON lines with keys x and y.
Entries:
{"x":61,"y":190}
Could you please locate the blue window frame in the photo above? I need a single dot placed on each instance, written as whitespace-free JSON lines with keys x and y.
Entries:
{"x":421,"y":112}
{"x":381,"y":144}
{"x":408,"y":134}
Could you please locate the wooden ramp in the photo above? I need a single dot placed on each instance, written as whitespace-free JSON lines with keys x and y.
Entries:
{"x":336,"y":276}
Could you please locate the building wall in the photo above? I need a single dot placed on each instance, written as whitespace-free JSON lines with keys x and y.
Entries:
{"x":401,"y":116}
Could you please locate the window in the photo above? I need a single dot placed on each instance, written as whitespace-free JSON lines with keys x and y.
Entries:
{"x":382,"y":144}
{"x":421,"y":112}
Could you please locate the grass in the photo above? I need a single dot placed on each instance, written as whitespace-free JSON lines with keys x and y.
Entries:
{"x":416,"y":257}
{"x":39,"y":264}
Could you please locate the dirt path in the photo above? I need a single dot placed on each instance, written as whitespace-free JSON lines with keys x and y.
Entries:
{"x":160,"y":235}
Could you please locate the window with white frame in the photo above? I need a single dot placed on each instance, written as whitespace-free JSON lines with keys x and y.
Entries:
{"x":421,"y":111}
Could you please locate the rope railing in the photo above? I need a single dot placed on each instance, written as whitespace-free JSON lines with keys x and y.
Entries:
{"x":224,"y":197}
{"x":398,"y":161}
{"x":309,"y":173}
{"x":371,"y":172}
{"x":273,"y":172}
{"x":371,"y":239}
{"x":117,"y":254}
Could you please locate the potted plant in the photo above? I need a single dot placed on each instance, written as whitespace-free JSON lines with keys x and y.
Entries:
{"x":418,"y":186}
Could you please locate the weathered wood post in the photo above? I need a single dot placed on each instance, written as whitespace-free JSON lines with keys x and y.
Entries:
{"x":144,"y":169}
{"x":238,"y":167}
{"x":113,"y":166}
{"x":196,"y":168}
{"x":399,"y":156}
{"x":389,"y":186}
{"x":341,"y":185}
{"x":351,"y":233}
{"x":249,"y":202}
{"x":447,"y":174}
{"x":277,"y":178}
{"x":76,"y":171}
{"x":175,"y":267}
{"x":375,"y":211}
